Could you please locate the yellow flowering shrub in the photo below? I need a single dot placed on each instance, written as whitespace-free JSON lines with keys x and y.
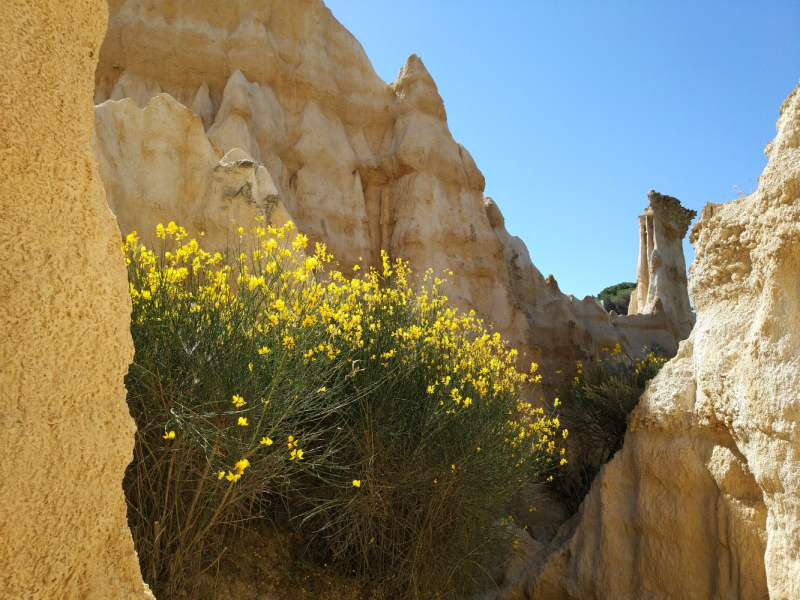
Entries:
{"x":389,"y":424}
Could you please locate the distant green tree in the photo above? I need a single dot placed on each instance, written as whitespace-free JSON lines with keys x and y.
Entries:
{"x":617,"y":297}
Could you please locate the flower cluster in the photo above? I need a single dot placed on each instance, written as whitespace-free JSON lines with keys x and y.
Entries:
{"x":370,"y":377}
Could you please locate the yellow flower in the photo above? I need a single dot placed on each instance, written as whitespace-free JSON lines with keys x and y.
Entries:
{"x":243,"y":421}
{"x":322,"y":389}
{"x":357,"y":483}
{"x":300,"y":241}
{"x":169,"y":436}
{"x":221,"y":475}
{"x":292,"y":442}
{"x":250,"y":366}
{"x":298,"y":454}
{"x":479,"y":448}
{"x":266,"y":441}
{"x":239,"y":402}
{"x":264,"y":350}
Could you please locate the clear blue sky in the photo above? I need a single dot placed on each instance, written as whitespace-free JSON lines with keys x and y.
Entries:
{"x":573,"y":110}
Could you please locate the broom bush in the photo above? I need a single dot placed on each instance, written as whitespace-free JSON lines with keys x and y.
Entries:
{"x":365,"y":410}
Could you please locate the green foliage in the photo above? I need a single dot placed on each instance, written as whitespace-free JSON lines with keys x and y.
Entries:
{"x":617,"y":297}
{"x":614,"y":292}
{"x":594,"y":409}
{"x":364,"y":413}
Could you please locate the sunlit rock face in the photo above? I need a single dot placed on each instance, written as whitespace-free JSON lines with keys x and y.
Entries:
{"x":703,"y":500}
{"x":66,"y":435}
{"x":358,"y":164}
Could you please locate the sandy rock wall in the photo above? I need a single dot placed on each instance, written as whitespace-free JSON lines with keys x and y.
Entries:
{"x":703,"y":500}
{"x":65,"y":432}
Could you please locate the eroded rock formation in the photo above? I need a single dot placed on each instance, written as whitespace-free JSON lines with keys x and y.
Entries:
{"x":360,"y":165}
{"x":661,"y":274}
{"x":65,"y":432}
{"x":158,"y":166}
{"x":703,"y":500}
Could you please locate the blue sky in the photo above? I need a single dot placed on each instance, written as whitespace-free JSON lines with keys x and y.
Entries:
{"x":574,"y":110}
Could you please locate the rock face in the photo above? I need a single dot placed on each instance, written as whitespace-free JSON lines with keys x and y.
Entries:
{"x":703,"y":500}
{"x":359,"y":165}
{"x":661,"y":275}
{"x":65,"y":432}
{"x":158,"y":166}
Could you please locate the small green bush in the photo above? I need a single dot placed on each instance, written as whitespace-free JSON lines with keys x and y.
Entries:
{"x":617,"y":297}
{"x":594,"y":408}
{"x":367,"y":413}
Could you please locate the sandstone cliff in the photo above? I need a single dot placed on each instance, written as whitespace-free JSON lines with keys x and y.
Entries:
{"x":65,"y":432}
{"x":358,"y":164}
{"x":703,"y":501}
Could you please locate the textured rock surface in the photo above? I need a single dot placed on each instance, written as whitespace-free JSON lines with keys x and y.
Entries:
{"x":65,"y":432}
{"x":703,"y":501}
{"x":661,"y":274}
{"x":360,"y":165}
{"x":158,"y":166}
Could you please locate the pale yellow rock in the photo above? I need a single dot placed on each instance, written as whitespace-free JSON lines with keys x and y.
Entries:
{"x":66,"y":436}
{"x":703,"y":500}
{"x":158,"y":166}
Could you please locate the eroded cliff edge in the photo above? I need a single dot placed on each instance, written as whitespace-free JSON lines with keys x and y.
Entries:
{"x":66,"y":436}
{"x":703,"y":501}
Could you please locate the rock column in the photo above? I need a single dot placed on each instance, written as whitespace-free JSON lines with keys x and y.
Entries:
{"x":661,"y":275}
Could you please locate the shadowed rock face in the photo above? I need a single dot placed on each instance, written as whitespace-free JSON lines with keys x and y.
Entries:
{"x":359,"y":165}
{"x":703,"y":500}
{"x":65,"y":432}
{"x":661,"y":276}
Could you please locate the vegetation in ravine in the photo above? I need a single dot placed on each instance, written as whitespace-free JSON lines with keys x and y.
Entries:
{"x":617,"y":297}
{"x":594,"y":405}
{"x":360,"y":410}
